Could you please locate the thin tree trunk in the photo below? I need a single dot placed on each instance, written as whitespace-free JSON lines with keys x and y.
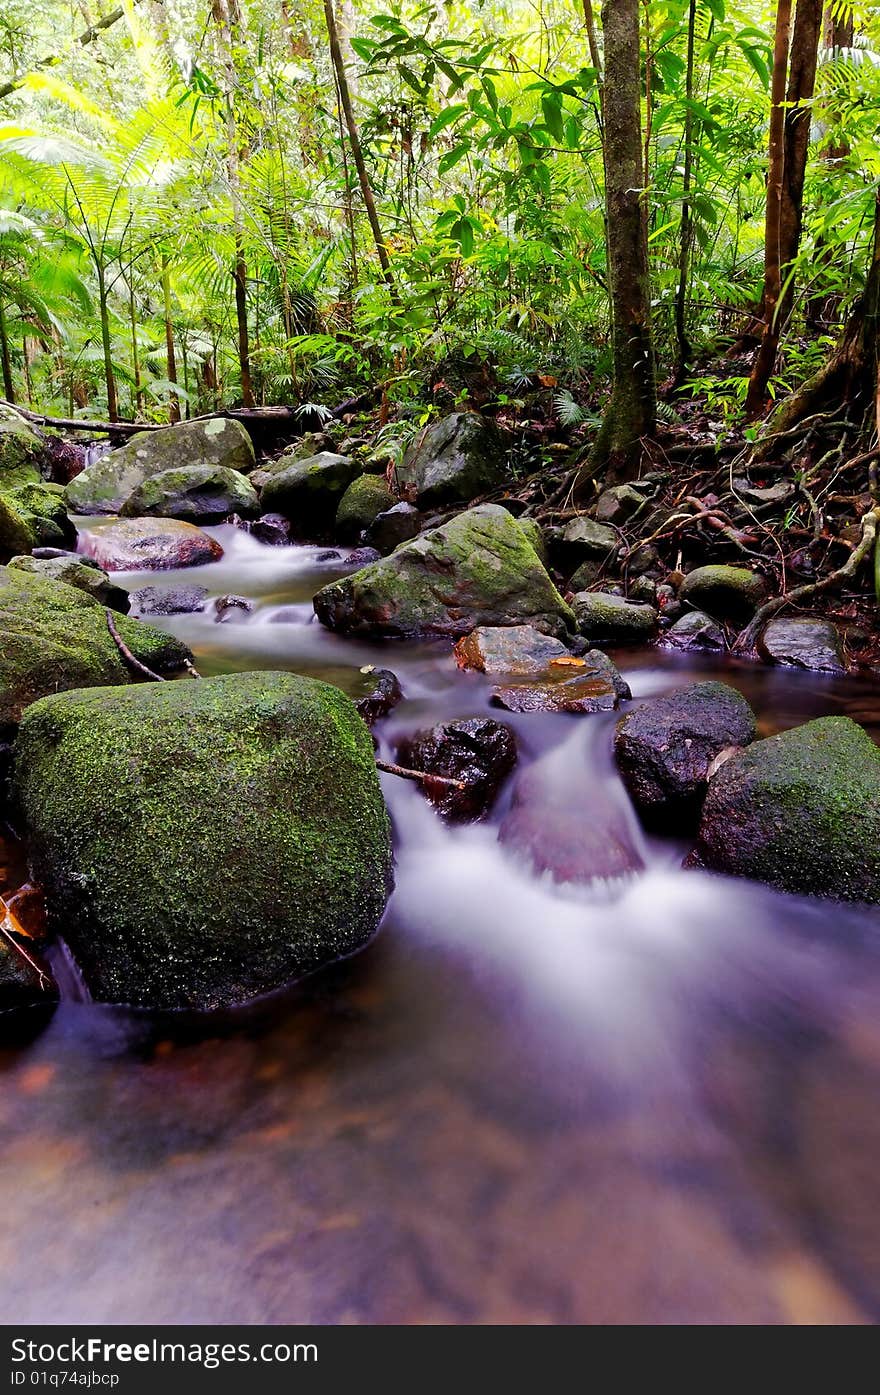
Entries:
{"x":8,"y":384}
{"x":685,"y":350}
{"x":135,"y":356}
{"x":354,"y":141}
{"x":170,"y":360}
{"x":839,"y":34}
{"x":109,"y":375}
{"x":798,"y":114}
{"x":765,"y":358}
{"x":631,"y":413}
{"x":228,"y":18}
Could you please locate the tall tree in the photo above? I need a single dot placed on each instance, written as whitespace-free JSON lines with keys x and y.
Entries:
{"x":632,"y":410}
{"x":802,"y":62}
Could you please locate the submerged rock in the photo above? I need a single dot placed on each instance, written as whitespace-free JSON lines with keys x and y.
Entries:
{"x":511,"y":649}
{"x":808,"y":643}
{"x":364,"y":499}
{"x":394,"y":526}
{"x":168,"y":600}
{"x":727,"y":593}
{"x":148,"y":544}
{"x":195,"y":493}
{"x":106,"y":484}
{"x":232,"y":608}
{"x":477,"y":569}
{"x":22,"y":986}
{"x":480,"y":752}
{"x":75,"y":572}
{"x":607,"y":619}
{"x":590,"y":683}
{"x":377,"y":694}
{"x":546,"y":826}
{"x":308,"y":491}
{"x":56,"y":637}
{"x":695,"y":630}
{"x":665,"y":748}
{"x":453,"y":461}
{"x":202,"y":843}
{"x":800,"y":811}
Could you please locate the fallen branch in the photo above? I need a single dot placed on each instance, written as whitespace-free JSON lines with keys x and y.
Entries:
{"x":422,"y":775}
{"x":745,"y":642}
{"x":285,"y":415}
{"x":126,"y":653}
{"x":10,"y":929}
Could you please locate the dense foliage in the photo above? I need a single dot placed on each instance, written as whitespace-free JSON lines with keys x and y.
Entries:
{"x":182,"y":223}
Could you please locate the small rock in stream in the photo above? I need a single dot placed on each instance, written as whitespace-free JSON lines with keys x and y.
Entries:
{"x":168,"y":600}
{"x":695,"y":630}
{"x":231,"y":608}
{"x":383,"y":693}
{"x":479,"y":752}
{"x":586,"y":684}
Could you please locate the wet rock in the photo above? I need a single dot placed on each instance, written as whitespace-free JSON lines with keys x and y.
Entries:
{"x":642,"y":560}
{"x":168,"y":600}
{"x":202,"y":843}
{"x":232,"y":608}
{"x":477,"y":569}
{"x":583,"y":540}
{"x":364,"y":499}
{"x":643,"y":589}
{"x":22,"y":986}
{"x":546,"y":825}
{"x":85,"y":576}
{"x":800,"y":811}
{"x":590,"y":683}
{"x":727,"y":593}
{"x":695,"y":630}
{"x":619,"y":504}
{"x":104,"y":486}
{"x":308,"y":491}
{"x":665,"y":748}
{"x":459,"y":457}
{"x":56,"y":637}
{"x":16,"y":535}
{"x":772,"y":495}
{"x":196,"y":493}
{"x":381,"y":694}
{"x":480,"y":752}
{"x":510,"y":649}
{"x":148,"y":544}
{"x":394,"y":526}
{"x":808,"y":643}
{"x":362,"y":557}
{"x":587,"y":575}
{"x":607,"y":619}
{"x":271,"y":528}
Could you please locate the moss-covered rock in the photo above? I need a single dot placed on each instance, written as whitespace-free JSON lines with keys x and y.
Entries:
{"x":105,"y":485}
{"x":16,"y":533}
{"x":665,"y":748}
{"x":728,"y":593}
{"x":73,"y":572}
{"x":534,"y":534}
{"x":43,"y":508}
{"x":21,"y":451}
{"x":54,"y":637}
{"x":477,"y":569}
{"x":363,"y":501}
{"x":195,"y":493}
{"x":201,"y":843}
{"x":454,"y":460}
{"x":308,"y":492}
{"x":607,"y":619}
{"x":801,"y":811}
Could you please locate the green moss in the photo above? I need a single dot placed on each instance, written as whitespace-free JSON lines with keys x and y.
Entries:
{"x":726,"y":592}
{"x":204,"y":842}
{"x":16,"y":534}
{"x":195,"y":493}
{"x":20,"y":451}
{"x":363,"y":500}
{"x":43,"y":508}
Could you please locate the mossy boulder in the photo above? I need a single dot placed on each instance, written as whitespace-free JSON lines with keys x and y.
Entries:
{"x":16,"y":534}
{"x":800,"y":811}
{"x":54,"y":637}
{"x":104,"y":486}
{"x":459,"y":457}
{"x":665,"y":748}
{"x":43,"y":508}
{"x":309,"y":491}
{"x":607,"y":619}
{"x":21,"y":451}
{"x":727,"y":593}
{"x":477,"y":569}
{"x":73,"y":572}
{"x":363,"y":501}
{"x":195,"y":493}
{"x":202,"y":843}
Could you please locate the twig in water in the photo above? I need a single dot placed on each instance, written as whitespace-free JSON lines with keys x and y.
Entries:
{"x":9,"y":928}
{"x":126,"y":653}
{"x":422,"y":775}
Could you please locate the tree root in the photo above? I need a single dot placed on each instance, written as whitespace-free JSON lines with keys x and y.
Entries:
{"x":746,"y":641}
{"x":128,"y":657}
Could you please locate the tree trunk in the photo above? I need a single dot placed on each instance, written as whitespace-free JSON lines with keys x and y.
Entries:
{"x":765,"y":358}
{"x":135,"y":356}
{"x":5,"y":357}
{"x":796,"y":140}
{"x":822,"y":308}
{"x":685,"y":351}
{"x":354,"y":141}
{"x":170,"y":360}
{"x":109,"y":375}
{"x":632,"y":410}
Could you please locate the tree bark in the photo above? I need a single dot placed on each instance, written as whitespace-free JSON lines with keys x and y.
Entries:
{"x":8,"y":384}
{"x":170,"y":360}
{"x":632,"y":411}
{"x":685,"y":351}
{"x":766,"y":355}
{"x":802,"y":63}
{"x":839,"y":34}
{"x":109,"y":375}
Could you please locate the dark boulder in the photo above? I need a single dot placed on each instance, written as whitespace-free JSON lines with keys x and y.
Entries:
{"x":607,"y":619}
{"x":168,"y":600}
{"x":695,"y":630}
{"x":308,"y":492}
{"x":364,"y":499}
{"x":480,"y":753}
{"x":377,"y":694}
{"x":394,"y":526}
{"x":455,"y":460}
{"x":727,"y":593}
{"x":808,"y":643}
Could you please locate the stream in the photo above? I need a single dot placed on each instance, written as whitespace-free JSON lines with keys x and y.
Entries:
{"x":524,"y":1102}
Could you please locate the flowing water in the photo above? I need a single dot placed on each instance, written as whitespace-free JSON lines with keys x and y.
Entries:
{"x":523,"y":1102}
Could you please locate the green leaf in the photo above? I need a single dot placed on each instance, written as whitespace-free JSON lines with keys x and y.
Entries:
{"x":446,"y":118}
{"x":462,"y":232}
{"x":551,"y":109}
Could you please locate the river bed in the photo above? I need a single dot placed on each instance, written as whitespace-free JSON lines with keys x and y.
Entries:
{"x":523,"y":1102}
